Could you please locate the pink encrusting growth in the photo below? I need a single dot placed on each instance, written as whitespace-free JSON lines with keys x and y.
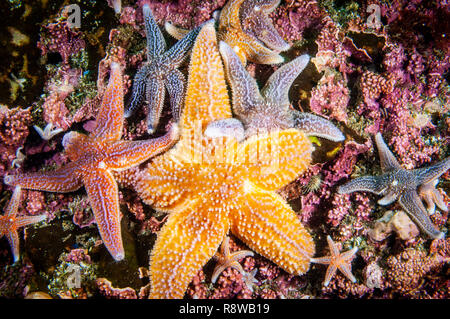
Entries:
{"x":94,"y":157}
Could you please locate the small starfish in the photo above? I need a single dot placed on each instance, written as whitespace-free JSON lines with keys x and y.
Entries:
{"x":48,"y":132}
{"x":160,"y":70}
{"x":249,"y":279}
{"x":226,"y":259}
{"x":246,"y":27}
{"x":215,"y":185}
{"x":20,"y":157}
{"x":406,"y":186}
{"x":93,"y":159}
{"x":337,"y":260}
{"x":10,"y":222}
{"x":270,"y":109}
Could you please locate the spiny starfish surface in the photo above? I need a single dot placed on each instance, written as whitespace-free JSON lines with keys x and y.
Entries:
{"x":93,"y":158}
{"x":406,"y":186}
{"x":337,"y":260}
{"x":246,"y":27}
{"x":10,"y":222}
{"x":270,"y":109}
{"x":226,"y":259}
{"x":212,"y":185}
{"x":160,"y":72}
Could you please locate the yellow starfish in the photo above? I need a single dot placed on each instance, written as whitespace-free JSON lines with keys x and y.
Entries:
{"x":214,"y":185}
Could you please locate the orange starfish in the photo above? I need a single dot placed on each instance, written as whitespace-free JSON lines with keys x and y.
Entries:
{"x":212,"y":185}
{"x":226,"y":259}
{"x":337,"y":260}
{"x":94,"y":158}
{"x":9,"y":222}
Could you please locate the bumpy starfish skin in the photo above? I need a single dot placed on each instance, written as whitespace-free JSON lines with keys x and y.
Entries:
{"x":9,"y":222}
{"x":226,"y":259}
{"x":160,"y":70}
{"x":406,"y":186}
{"x":214,"y":185}
{"x":246,"y":27}
{"x":337,"y":260}
{"x":270,"y":110}
{"x":94,"y":158}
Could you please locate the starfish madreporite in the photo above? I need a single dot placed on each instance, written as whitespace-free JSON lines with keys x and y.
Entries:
{"x":270,"y":110}
{"x":212,"y":185}
{"x":160,"y":72}
{"x":246,"y":27}
{"x":10,"y":222}
{"x":93,"y":158}
{"x":406,"y":186}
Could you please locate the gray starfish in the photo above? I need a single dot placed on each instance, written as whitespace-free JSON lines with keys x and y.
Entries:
{"x":270,"y":109}
{"x":160,"y":70}
{"x":406,"y":186}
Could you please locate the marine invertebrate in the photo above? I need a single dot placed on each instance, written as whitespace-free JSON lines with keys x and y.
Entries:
{"x":160,"y":72}
{"x":214,"y":185}
{"x":48,"y":132}
{"x":10,"y":222}
{"x":269,"y":109}
{"x":406,"y":186}
{"x":337,"y":260}
{"x":226,"y":259}
{"x":93,"y":158}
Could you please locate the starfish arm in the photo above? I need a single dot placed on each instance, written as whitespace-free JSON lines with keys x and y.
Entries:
{"x":22,"y":221}
{"x":273,"y":160}
{"x":13,"y":240}
{"x":315,"y":125}
{"x":110,"y":116}
{"x":277,"y":86}
{"x":126,"y":154}
{"x":206,"y":95}
{"x":176,"y":32}
{"x":388,"y":161}
{"x":331,"y":271}
{"x":431,"y":173}
{"x":412,"y":204}
{"x":432,"y":197}
{"x":104,"y":199}
{"x":388,"y":199}
{"x":266,"y":224}
{"x":245,"y":91}
{"x":334,"y":249}
{"x":155,"y":93}
{"x":231,"y":127}
{"x":63,"y":180}
{"x":371,"y":184}
{"x":349,"y":254}
{"x":156,"y":45}
{"x":257,"y":23}
{"x":347,"y":271}
{"x":178,"y":52}
{"x":138,"y":91}
{"x":321,"y":260}
{"x":14,"y":202}
{"x":175,"y":87}
{"x":185,"y":243}
{"x":217,"y":271}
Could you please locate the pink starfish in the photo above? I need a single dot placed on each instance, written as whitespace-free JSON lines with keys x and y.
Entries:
{"x":93,"y":158}
{"x":9,"y":222}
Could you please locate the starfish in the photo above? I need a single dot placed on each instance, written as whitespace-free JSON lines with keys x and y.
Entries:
{"x":337,"y":260}
{"x":406,"y":186}
{"x":246,"y":27}
{"x":48,"y":132}
{"x":213,"y":185}
{"x":160,"y":70}
{"x":10,"y":222}
{"x":270,"y":109}
{"x":226,"y":259}
{"x":93,"y":158}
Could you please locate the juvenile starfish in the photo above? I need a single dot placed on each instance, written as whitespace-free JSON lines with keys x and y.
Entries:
{"x":10,"y":222}
{"x":93,"y":159}
{"x":160,"y":70}
{"x":245,"y":25}
{"x":270,"y":109}
{"x":214,"y":185}
{"x":337,"y":260}
{"x":406,"y":186}
{"x":226,"y":259}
